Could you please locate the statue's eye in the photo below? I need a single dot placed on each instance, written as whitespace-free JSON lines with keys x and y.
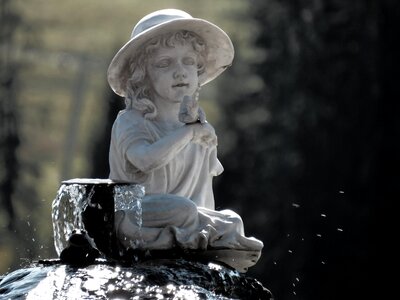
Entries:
{"x":163,"y":63}
{"x":189,"y":61}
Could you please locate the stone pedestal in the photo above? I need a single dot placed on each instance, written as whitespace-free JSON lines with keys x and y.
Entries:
{"x":151,"y":279}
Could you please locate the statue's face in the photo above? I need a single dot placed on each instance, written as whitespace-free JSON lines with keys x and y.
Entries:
{"x":173,"y":72}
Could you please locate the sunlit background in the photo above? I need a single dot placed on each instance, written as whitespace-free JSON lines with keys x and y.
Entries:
{"x":299,"y":119}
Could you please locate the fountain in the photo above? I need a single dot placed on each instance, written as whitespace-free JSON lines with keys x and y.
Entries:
{"x":93,"y":266}
{"x":151,"y":230}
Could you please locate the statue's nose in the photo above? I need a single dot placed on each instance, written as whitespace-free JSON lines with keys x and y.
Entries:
{"x":179,"y":72}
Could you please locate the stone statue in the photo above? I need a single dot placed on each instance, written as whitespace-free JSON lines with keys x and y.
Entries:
{"x":163,"y":141}
{"x":159,"y":197}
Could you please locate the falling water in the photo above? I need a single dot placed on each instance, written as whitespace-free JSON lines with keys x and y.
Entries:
{"x":129,"y":197}
{"x":66,"y":214}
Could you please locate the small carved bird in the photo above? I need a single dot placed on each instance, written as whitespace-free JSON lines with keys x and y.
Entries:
{"x":190,"y":111}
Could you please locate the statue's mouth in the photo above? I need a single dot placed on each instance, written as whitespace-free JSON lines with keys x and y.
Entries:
{"x":180,"y":85}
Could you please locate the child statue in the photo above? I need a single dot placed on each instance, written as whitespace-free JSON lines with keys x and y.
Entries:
{"x":163,"y":141}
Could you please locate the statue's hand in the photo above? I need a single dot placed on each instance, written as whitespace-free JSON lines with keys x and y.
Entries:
{"x":204,"y":134}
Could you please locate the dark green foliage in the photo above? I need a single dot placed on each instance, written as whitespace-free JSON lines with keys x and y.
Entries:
{"x":9,"y":135}
{"x":308,"y":179}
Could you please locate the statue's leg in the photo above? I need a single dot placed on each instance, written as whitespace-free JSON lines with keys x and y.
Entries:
{"x":227,"y":230}
{"x":164,"y":210}
{"x":165,"y":221}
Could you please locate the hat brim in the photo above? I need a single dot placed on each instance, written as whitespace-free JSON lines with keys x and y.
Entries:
{"x":220,"y":51}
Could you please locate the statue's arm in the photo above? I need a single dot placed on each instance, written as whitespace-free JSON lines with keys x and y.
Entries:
{"x":147,"y":157}
{"x":135,"y":146}
{"x":150,"y":156}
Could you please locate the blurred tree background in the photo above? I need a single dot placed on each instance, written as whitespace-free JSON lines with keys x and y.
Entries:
{"x":305,"y":121}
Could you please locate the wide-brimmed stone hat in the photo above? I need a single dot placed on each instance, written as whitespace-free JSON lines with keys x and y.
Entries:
{"x":220,"y":50}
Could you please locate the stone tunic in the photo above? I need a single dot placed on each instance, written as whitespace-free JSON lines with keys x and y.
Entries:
{"x":189,"y":174}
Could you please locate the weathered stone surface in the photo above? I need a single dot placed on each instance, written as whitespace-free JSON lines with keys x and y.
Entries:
{"x":151,"y":279}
